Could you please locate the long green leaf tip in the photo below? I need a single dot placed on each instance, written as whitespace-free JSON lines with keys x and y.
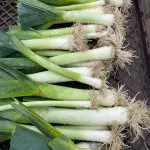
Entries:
{"x":59,"y":141}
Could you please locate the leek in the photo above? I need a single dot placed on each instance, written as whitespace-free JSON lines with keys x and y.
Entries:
{"x":45,"y":13}
{"x":117,"y":3}
{"x":103,"y":53}
{"x":86,"y":133}
{"x":51,"y":53}
{"x":50,"y":77}
{"x":50,"y":66}
{"x":81,"y":6}
{"x":30,"y":34}
{"x":55,"y":138}
{"x":60,"y":42}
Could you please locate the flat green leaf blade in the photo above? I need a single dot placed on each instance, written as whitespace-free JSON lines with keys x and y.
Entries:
{"x":34,"y":13}
{"x":36,"y":120}
{"x":23,"y":64}
{"x":24,"y":34}
{"x":14,"y":84}
{"x":14,"y":88}
{"x":25,"y":139}
{"x":6,"y":125}
{"x":13,"y":115}
{"x":6,"y":48}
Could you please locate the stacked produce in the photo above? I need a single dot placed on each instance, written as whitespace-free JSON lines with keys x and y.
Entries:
{"x":41,"y":52}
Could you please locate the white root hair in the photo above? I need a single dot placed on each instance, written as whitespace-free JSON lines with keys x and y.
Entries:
{"x":78,"y":40}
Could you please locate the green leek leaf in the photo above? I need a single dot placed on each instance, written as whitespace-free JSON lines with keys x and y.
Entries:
{"x":25,"y":65}
{"x":14,"y":84}
{"x":34,"y":13}
{"x":6,"y":48}
{"x":26,"y":139}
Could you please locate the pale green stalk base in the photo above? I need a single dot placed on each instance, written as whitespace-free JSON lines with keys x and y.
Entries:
{"x":81,"y":6}
{"x":50,"y":53}
{"x":63,"y":93}
{"x":83,"y":64}
{"x":52,"y":103}
{"x":107,"y":98}
{"x":102,"y":116}
{"x":103,"y":53}
{"x":61,"y":42}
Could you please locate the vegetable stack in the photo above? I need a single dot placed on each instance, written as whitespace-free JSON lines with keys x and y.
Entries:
{"x":60,"y":41}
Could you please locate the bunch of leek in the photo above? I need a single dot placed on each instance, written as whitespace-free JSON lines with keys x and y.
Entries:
{"x":31,"y":59}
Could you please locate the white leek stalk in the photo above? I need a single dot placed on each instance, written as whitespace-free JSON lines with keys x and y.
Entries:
{"x":28,"y":34}
{"x":102,"y":116}
{"x":86,"y":98}
{"x":59,"y":42}
{"x":89,"y":145}
{"x":51,"y":77}
{"x":83,"y":64}
{"x":51,"y":53}
{"x":92,"y":10}
{"x":103,"y":136}
{"x":103,"y":53}
{"x":95,"y":18}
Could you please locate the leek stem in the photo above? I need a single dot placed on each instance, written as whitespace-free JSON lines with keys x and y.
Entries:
{"x":87,"y":17}
{"x":51,"y":103}
{"x":29,"y":34}
{"x":50,"y":66}
{"x":102,"y":116}
{"x":51,"y":53}
{"x":81,"y":6}
{"x":83,"y":64}
{"x":101,"y":98}
{"x":51,"y":77}
{"x":103,"y":53}
{"x":59,"y":42}
{"x":77,"y":133}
